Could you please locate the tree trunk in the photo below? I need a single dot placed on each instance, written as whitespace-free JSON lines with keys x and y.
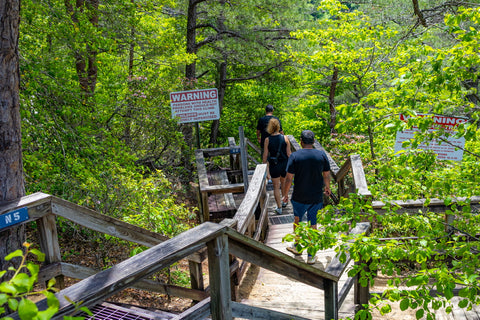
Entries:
{"x":11,"y":165}
{"x":190,"y":77}
{"x":86,"y":62}
{"x":127,"y":131}
{"x":191,"y":38}
{"x":222,"y":85}
{"x":331,"y":101}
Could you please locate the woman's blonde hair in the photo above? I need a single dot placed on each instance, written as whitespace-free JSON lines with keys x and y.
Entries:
{"x":273,"y":126}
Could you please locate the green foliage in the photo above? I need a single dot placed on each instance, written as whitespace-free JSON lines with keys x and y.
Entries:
{"x":15,"y":292}
{"x":417,"y":251}
{"x":155,"y":208}
{"x":117,"y":150}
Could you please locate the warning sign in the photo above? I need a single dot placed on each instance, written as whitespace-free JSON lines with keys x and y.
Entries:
{"x":195,"y":105}
{"x":451,"y":149}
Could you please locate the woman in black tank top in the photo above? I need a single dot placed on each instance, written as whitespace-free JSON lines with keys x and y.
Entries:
{"x":276,"y":152}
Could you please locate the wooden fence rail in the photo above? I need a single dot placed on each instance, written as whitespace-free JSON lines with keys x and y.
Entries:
{"x":250,"y":219}
{"x":221,"y":242}
{"x":352,"y":166}
{"x":233,"y":239}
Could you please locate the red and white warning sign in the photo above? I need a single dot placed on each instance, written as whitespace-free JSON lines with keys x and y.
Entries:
{"x":451,"y":149}
{"x":195,"y":105}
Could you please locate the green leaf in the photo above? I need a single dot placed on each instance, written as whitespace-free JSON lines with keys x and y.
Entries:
{"x":86,"y":310}
{"x":419,"y":314}
{"x":40,"y":255}
{"x":448,"y":293}
{"x":16,"y":253}
{"x":27,"y":310}
{"x":22,"y":282}
{"x":51,"y":283}
{"x":13,"y":304}
{"x":385,"y":309}
{"x":463,"y":303}
{"x":7,"y":288}
{"x":404,"y":304}
{"x":464,"y":292}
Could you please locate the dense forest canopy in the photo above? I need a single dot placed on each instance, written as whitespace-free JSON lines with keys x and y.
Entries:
{"x":96,"y":77}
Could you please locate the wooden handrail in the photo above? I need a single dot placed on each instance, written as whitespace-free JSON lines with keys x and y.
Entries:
{"x":245,"y":214}
{"x":102,"y":285}
{"x":233,"y":237}
{"x":220,"y":240}
{"x":359,"y":176}
{"x":40,"y":205}
{"x":353,"y":164}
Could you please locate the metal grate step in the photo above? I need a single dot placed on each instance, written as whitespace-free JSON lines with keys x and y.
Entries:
{"x":107,"y":311}
{"x":280,"y":219}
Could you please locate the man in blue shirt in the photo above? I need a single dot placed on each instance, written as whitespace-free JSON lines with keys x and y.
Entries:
{"x":309,"y":169}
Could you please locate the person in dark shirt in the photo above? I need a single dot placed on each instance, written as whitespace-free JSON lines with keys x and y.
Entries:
{"x":262,"y":132}
{"x":309,"y":170}
{"x":278,"y":146}
{"x":262,"y":125}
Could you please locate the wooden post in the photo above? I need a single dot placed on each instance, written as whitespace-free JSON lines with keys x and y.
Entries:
{"x":361,"y":294}
{"x":234,"y":278}
{"x":48,"y":237}
{"x":449,"y":218}
{"x":243,"y":155}
{"x":234,"y":158}
{"x":359,"y":176}
{"x":331,"y":299}
{"x":196,"y":275}
{"x":219,"y":273}
{"x":205,"y":209}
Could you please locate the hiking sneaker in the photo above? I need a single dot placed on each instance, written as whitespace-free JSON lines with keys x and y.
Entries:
{"x":284,"y":204}
{"x":278,"y":210}
{"x":293,"y":249}
{"x":311,"y":259}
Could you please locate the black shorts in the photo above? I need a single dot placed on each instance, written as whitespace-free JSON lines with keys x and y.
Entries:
{"x":279,"y":169}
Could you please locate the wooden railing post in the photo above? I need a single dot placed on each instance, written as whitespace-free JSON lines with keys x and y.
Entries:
{"x":331,"y":299}
{"x":48,"y":237}
{"x":234,"y":157}
{"x":361,"y":294}
{"x":196,"y":275}
{"x":205,"y":209}
{"x":219,"y":273}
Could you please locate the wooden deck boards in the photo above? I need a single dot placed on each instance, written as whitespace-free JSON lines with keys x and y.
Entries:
{"x":282,"y":294}
{"x":221,"y":205}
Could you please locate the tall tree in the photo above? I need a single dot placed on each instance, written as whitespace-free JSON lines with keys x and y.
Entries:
{"x":239,"y":41}
{"x":11,"y":165}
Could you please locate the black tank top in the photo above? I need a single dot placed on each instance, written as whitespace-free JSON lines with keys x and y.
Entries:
{"x":273,"y":144}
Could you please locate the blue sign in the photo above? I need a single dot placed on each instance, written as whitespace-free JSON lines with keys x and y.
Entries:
{"x":234,"y":150}
{"x":13,"y":217}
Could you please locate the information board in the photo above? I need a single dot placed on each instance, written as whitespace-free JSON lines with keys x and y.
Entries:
{"x":452,"y":149}
{"x":195,"y":105}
